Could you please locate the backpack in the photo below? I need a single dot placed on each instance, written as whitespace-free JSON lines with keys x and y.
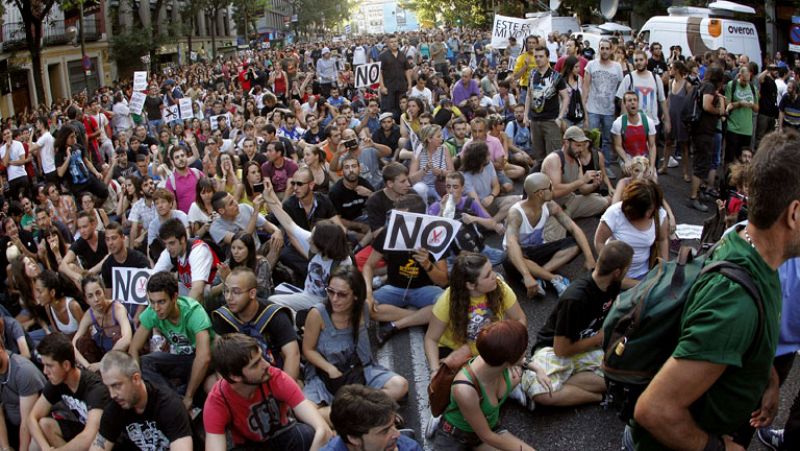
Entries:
{"x":575,"y":111}
{"x":729,"y":89}
{"x":693,"y":110}
{"x":255,"y":328}
{"x":642,"y":327}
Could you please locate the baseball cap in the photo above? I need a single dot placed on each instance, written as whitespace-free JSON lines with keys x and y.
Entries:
{"x":326,"y":50}
{"x":575,"y":133}
{"x":385,"y":116}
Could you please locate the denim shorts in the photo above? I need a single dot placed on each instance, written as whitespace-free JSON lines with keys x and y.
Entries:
{"x":449,"y":438}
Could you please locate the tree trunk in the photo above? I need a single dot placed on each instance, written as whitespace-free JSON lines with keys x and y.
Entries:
{"x":33,"y":37}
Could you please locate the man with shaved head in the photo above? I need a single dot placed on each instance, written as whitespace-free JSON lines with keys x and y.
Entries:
{"x":529,"y":254}
{"x":464,"y":88}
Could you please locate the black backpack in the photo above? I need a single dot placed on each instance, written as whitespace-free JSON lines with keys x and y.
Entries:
{"x":469,"y":237}
{"x":575,"y":111}
{"x":641,"y":331}
{"x":693,"y":110}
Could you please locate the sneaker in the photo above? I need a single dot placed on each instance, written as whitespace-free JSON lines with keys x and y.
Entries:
{"x":771,"y":438}
{"x":542,"y":290}
{"x":697,"y":205}
{"x":431,"y":425}
{"x":385,"y":332}
{"x":560,"y":283}
{"x":521,"y":398}
{"x":377,"y":282}
{"x":672,"y":163}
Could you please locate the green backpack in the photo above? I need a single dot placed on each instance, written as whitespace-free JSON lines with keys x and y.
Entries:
{"x":642,"y":327}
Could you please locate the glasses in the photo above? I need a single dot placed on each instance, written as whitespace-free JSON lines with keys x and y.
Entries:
{"x":236,"y":291}
{"x":296,"y":183}
{"x":337,"y":294}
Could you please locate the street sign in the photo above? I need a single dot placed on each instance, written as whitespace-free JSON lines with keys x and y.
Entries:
{"x":87,"y":62}
{"x":794,"y":34}
{"x":794,"y":48}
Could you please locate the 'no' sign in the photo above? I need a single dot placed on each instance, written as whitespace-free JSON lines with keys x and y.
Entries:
{"x":368,"y":74}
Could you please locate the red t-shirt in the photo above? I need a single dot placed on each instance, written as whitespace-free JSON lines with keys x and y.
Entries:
{"x":254,"y":419}
{"x":635,"y":143}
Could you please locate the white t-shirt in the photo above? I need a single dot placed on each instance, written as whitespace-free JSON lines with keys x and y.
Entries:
{"x":639,"y":240}
{"x":603,"y":86}
{"x":553,"y":48}
{"x":649,"y":92}
{"x":47,"y":151}
{"x":359,"y":56}
{"x":425,"y":95}
{"x":196,"y":215}
{"x":200,"y":261}
{"x":500,"y":105}
{"x":17,"y":153}
{"x":102,"y":122}
{"x":616,"y":126}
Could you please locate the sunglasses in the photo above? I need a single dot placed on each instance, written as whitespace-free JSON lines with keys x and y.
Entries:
{"x":296,"y":183}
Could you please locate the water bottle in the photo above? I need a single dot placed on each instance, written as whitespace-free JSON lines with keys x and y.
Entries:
{"x":449,"y":208}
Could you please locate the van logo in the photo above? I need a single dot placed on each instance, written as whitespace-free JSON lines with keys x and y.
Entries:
{"x":748,"y":31}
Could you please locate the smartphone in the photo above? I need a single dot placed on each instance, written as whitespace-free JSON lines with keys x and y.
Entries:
{"x":258,"y":188}
{"x":351,"y":143}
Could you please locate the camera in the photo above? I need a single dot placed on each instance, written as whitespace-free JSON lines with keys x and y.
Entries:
{"x":258,"y":188}
{"x":351,"y":143}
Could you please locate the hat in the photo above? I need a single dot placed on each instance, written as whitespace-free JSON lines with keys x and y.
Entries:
{"x":326,"y":50}
{"x":575,"y":133}
{"x":385,"y":116}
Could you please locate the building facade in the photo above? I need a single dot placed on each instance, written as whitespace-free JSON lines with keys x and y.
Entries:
{"x":384,"y":16}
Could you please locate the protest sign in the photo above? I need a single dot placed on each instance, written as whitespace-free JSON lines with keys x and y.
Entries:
{"x":416,"y":144}
{"x":368,"y":74}
{"x":137,"y":102}
{"x":506,"y":27}
{"x":140,"y":81}
{"x":214,"y":120}
{"x":408,"y":231}
{"x":170,"y":113}
{"x":129,"y":285}
{"x":186,"y":108}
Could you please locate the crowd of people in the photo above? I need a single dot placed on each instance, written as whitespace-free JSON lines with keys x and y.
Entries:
{"x":263,"y":221}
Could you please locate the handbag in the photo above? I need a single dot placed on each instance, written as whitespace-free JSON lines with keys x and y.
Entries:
{"x":439,"y":388}
{"x":352,"y":373}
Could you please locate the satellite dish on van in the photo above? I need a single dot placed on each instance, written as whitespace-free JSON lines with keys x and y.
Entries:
{"x":554,"y":4}
{"x":724,"y":5}
{"x":608,"y":8}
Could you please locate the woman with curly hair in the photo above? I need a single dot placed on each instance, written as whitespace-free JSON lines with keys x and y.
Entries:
{"x":476,"y":297}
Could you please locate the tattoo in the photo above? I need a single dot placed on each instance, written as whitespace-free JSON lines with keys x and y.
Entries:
{"x":513,"y":224}
{"x":100,"y":441}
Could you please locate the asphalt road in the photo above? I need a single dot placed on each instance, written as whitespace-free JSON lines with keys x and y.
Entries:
{"x":548,"y":429}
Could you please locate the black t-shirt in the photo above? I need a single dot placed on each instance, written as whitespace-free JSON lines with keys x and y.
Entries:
{"x":768,"y":98}
{"x":119,"y":171}
{"x":91,"y":394}
{"x":314,"y":138}
{"x":89,"y":258}
{"x":135,"y":259}
{"x":347,"y":202}
{"x":545,"y":102}
{"x":708,"y":121}
{"x":391,"y":140}
{"x":580,"y":312}
{"x":322,"y":210}
{"x":163,"y":421}
{"x":378,"y":205}
{"x":401,"y":268}
{"x":152,"y":106}
{"x":259,"y":158}
{"x":394,"y":70}
{"x":279,"y":331}
{"x":658,"y":67}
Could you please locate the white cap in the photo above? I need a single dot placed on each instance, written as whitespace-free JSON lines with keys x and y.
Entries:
{"x":326,"y":50}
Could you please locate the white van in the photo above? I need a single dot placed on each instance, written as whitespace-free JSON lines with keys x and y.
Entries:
{"x":696,"y":31}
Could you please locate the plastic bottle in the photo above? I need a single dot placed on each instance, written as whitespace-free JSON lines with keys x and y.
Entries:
{"x":449,"y":208}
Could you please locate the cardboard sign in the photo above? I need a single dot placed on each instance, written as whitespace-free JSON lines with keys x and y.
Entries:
{"x":214,"y":120}
{"x":368,"y":74}
{"x":171,"y":113}
{"x":186,"y":108}
{"x":140,"y":81}
{"x":129,"y":285}
{"x":506,"y":27}
{"x":409,"y":231}
{"x":416,"y":144}
{"x":137,"y":102}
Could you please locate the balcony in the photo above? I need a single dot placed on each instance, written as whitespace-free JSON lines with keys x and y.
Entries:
{"x":55,"y":32}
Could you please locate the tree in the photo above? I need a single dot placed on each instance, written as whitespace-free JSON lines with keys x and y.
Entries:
{"x":33,"y":13}
{"x":244,"y":15}
{"x":213,"y":7}
{"x":317,"y":12}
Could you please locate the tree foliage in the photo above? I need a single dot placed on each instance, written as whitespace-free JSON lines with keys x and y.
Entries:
{"x":244,"y":14}
{"x":33,"y":13}
{"x":312,"y":14}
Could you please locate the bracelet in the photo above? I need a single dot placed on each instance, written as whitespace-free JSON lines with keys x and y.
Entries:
{"x":714,"y":443}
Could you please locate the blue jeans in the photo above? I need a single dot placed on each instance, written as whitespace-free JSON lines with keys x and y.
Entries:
{"x":298,"y":436}
{"x":153,"y":126}
{"x":495,"y":256}
{"x":716,"y":153}
{"x":412,"y":297}
{"x":604,"y":122}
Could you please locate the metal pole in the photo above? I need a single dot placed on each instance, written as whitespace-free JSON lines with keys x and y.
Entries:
{"x":83,"y":48}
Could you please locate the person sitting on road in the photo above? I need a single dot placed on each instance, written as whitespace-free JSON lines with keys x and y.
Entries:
{"x":336,"y":344}
{"x":271,"y":325}
{"x":634,"y":221}
{"x":143,"y":415}
{"x":529,"y":252}
{"x":186,"y":328}
{"x":481,"y":181}
{"x":195,"y":262}
{"x":22,"y":383}
{"x":80,"y":392}
{"x":365,"y":419}
{"x":578,"y":173}
{"x":257,"y":403}
{"x":568,"y":346}
{"x":476,"y":296}
{"x":472,"y":419}
{"x":414,"y":281}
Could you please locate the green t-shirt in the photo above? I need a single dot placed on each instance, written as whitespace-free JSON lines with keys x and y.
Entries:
{"x":719,"y":325}
{"x":740,"y":120}
{"x":181,"y":336}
